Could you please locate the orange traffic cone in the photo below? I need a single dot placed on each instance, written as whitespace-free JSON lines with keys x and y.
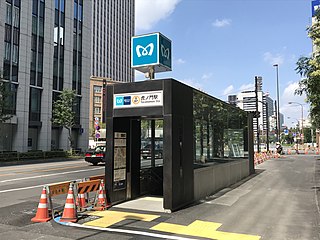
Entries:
{"x":81,"y":201}
{"x":69,"y":212}
{"x":102,"y":200}
{"x":42,"y":212}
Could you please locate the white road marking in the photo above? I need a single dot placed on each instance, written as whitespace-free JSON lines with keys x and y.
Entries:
{"x":141,"y":233}
{"x":49,"y":175}
{"x":38,"y":165}
{"x":19,"y":189}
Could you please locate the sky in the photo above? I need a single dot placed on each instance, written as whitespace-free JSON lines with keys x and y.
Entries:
{"x":219,"y":46}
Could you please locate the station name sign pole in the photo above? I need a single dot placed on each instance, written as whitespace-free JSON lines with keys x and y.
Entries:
{"x":150,"y":54}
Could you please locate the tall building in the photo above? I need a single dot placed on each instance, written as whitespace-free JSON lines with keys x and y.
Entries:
{"x":112,"y":29}
{"x":232,"y":99}
{"x":44,"y":48}
{"x":246,"y":100}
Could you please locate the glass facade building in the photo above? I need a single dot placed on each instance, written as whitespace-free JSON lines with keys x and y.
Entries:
{"x":41,"y":55}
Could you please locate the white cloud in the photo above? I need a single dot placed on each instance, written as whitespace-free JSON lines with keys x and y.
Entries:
{"x":193,"y":83}
{"x":180,"y":61}
{"x":148,"y":13}
{"x":273,"y":58}
{"x":293,"y":111}
{"x":246,"y":87}
{"x":221,"y":23}
{"x":228,"y":90}
{"x":206,"y":76}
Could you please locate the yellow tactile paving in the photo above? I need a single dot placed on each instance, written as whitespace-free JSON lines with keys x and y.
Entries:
{"x":197,"y":228}
{"x":109,"y":218}
{"x":203,"y":229}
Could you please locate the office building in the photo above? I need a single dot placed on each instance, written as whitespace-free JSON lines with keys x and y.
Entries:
{"x":112,"y":29}
{"x":246,"y":100}
{"x":45,"y":48}
{"x":232,"y":99}
{"x":97,"y":105}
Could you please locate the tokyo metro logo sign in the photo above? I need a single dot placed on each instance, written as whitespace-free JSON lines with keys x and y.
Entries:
{"x":144,"y":51}
{"x":151,"y":50}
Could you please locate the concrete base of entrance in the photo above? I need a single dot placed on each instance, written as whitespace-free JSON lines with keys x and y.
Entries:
{"x":152,"y":204}
{"x":208,"y":180}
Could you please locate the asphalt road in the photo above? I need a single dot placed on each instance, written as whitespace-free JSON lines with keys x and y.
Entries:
{"x":279,"y":202}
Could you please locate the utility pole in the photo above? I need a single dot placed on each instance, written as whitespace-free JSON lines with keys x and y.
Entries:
{"x":276,"y":108}
{"x":257,"y":115}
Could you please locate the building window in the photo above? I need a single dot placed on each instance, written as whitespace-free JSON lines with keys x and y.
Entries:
{"x":11,"y":99}
{"x":15,"y":54}
{"x":9,"y":14}
{"x":7,"y":51}
{"x":35,"y":104}
{"x":11,"y":41}
{"x":58,"y":38}
{"x":97,"y":110}
{"x":38,"y":14}
{"x":97,"y":99}
{"x":16,"y":17}
{"x":97,"y":89}
{"x":77,"y":46}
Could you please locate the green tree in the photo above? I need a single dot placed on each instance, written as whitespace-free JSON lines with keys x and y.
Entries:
{"x":4,"y":102}
{"x":309,"y":69}
{"x":63,"y":113}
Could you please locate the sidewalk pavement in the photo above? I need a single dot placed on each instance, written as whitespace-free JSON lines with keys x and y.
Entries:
{"x":280,"y":201}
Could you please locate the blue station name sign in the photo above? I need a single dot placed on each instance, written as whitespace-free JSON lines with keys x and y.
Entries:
{"x":151,"y":50}
{"x":138,"y":99}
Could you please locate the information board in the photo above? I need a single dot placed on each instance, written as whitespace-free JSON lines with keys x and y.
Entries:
{"x":120,"y":160}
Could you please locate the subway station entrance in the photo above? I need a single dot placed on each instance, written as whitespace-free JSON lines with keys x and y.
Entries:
{"x":155,"y":146}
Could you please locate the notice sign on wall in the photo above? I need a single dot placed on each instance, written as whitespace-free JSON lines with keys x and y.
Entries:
{"x":120,"y":161}
{"x":138,"y":99}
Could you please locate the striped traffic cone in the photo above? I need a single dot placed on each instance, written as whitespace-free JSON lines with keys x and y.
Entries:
{"x":70,"y":211}
{"x":81,"y":201}
{"x":43,"y":211}
{"x":102,"y":200}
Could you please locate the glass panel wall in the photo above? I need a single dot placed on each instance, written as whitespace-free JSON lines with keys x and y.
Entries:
{"x":220,"y":130}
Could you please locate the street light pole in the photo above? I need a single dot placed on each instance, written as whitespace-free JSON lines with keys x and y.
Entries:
{"x":302,"y":135}
{"x":257,"y":114}
{"x":267,"y":121}
{"x":267,"y":113}
{"x":278,"y":103}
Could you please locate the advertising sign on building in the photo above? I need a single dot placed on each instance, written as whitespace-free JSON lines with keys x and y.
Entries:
{"x":151,"y":50}
{"x":138,"y":99}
